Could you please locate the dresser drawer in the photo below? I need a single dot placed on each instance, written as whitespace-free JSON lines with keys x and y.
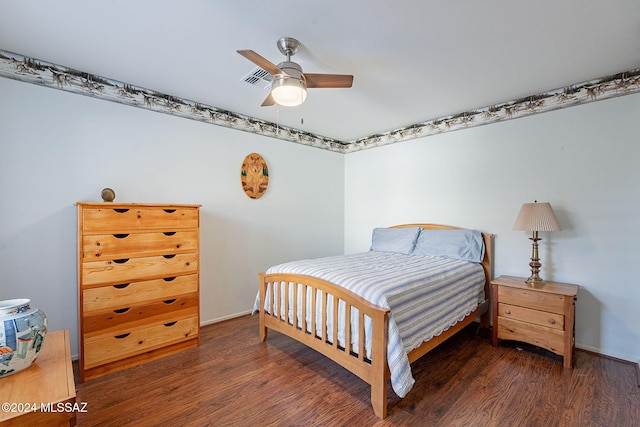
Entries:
{"x":129,"y":269}
{"x":108,"y":348}
{"x":124,"y":295}
{"x":548,"y":338}
{"x":117,"y":246}
{"x":120,"y":320}
{"x":535,"y":300}
{"x":542,"y":318}
{"x":119,"y":220}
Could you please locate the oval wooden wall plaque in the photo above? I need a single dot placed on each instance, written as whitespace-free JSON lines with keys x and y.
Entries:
{"x":254,"y":176}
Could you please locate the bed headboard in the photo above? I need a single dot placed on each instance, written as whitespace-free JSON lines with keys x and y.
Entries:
{"x":487,"y":262}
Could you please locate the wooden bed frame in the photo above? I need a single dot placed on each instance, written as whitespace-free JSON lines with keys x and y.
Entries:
{"x":375,"y":371}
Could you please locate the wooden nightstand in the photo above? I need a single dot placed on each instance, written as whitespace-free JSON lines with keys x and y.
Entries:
{"x":543,"y":315}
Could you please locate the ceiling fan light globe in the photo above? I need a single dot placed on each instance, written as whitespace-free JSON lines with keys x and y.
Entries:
{"x":288,"y":91}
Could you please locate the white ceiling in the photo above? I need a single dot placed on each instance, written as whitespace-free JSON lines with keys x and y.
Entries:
{"x":412,"y":60}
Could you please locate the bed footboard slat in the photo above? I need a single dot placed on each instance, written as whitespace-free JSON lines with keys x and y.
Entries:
{"x":347,"y":328}
{"x":304,"y":309}
{"x":361,"y":334}
{"x":334,"y":334}
{"x":324,"y":316}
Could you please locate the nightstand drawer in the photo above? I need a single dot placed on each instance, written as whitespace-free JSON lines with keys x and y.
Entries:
{"x":542,"y":318}
{"x":532,"y":299}
{"x":550,"y":339}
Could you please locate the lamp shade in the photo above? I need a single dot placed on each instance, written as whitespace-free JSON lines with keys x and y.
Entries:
{"x":537,"y":217}
{"x":288,"y":91}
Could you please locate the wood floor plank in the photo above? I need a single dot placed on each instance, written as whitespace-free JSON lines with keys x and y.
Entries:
{"x":233,"y":379}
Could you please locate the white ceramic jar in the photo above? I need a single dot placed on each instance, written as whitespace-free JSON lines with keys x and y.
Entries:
{"x":22,"y":333}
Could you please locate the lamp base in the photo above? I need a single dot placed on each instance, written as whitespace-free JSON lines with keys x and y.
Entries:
{"x":534,"y":280}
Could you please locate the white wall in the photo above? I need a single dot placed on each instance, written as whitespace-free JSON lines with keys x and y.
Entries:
{"x":583,"y":160}
{"x":57,"y":148}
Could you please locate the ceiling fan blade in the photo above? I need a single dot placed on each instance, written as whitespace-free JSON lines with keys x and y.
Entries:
{"x":328,"y":80}
{"x":268,"y":101}
{"x":261,"y":62}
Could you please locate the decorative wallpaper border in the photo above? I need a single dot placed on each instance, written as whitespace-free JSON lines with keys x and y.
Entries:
{"x":593,"y":90}
{"x":30,"y":70}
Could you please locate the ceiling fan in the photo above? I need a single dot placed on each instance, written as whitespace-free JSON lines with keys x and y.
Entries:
{"x":290,"y":84}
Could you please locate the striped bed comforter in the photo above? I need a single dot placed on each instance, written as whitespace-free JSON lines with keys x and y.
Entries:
{"x":426,"y":296}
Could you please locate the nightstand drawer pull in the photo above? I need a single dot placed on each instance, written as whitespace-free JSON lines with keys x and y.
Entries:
{"x":120,"y":236}
{"x":122,"y":310}
{"x":170,"y":301}
{"x":507,"y":311}
{"x":169,"y":233}
{"x":122,"y":286}
{"x":552,"y":321}
{"x":169,"y":279}
{"x":121,"y":261}
{"x":121,"y":210}
{"x":169,"y":256}
{"x":122,"y":336}
{"x":170,"y":323}
{"x":169,"y":210}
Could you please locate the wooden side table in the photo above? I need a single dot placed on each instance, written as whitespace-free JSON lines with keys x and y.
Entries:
{"x":543,"y":315}
{"x":44,"y":393}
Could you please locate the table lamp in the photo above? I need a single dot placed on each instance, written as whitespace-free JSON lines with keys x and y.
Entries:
{"x":536,"y":217}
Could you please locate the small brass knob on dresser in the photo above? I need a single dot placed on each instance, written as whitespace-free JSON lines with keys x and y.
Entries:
{"x":507,"y":311}
{"x":552,"y":321}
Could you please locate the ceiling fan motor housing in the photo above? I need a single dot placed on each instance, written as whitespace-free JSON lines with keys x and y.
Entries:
{"x":292,"y":69}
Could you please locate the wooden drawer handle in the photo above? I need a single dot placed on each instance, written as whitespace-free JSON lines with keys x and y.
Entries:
{"x":121,"y":261}
{"x":121,"y":286}
{"x":169,"y":256}
{"x":169,"y":233}
{"x":122,"y":310}
{"x":119,"y":337}
{"x":170,"y":301}
{"x":169,"y":210}
{"x":507,"y":311}
{"x":169,"y":279}
{"x":120,"y":236}
{"x":170,"y":323}
{"x":121,"y":210}
{"x":552,"y":321}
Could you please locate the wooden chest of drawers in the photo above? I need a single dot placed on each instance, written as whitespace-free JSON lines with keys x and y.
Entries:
{"x":138,"y":273}
{"x":541,"y":315}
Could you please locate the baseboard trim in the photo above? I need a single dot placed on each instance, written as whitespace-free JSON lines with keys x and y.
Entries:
{"x":225,"y":318}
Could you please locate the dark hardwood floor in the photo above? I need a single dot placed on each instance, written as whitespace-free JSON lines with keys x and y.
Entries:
{"x":234,"y":380}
